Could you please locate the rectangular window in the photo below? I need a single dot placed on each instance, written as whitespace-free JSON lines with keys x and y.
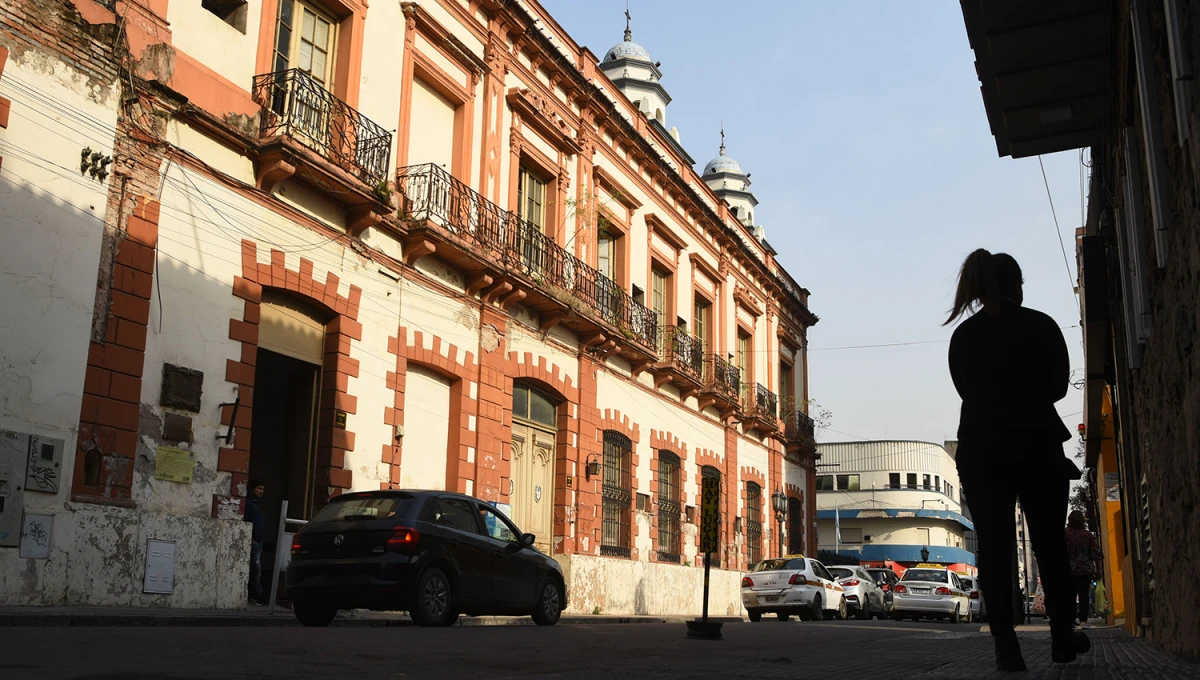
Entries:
{"x":605,"y":255}
{"x":937,"y":482}
{"x":304,"y":39}
{"x":743,"y":366}
{"x":852,"y":536}
{"x":912,"y":480}
{"x":701,"y":323}
{"x":894,"y":480}
{"x":531,"y":199}
{"x":847,"y":482}
{"x":753,"y":523}
{"x":824,"y":482}
{"x":617,"y":494}
{"x":658,"y":295}
{"x":925,"y":483}
{"x":787,"y":387}
{"x":669,"y":535}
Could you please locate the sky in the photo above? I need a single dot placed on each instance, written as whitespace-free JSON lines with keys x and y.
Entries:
{"x":876,"y":174}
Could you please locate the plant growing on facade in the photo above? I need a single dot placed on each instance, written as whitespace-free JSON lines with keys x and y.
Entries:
{"x":822,"y":417}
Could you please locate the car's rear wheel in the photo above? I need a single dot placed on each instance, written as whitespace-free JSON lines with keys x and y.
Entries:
{"x":434,"y":601}
{"x":817,"y":612}
{"x":782,"y":616}
{"x":549,"y":605}
{"x":864,"y":612}
{"x":313,"y":614}
{"x":970,"y":615}
{"x":843,"y":611}
{"x":754,"y":615}
{"x":955,"y":618}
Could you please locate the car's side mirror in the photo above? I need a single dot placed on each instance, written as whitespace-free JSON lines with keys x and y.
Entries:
{"x":527,"y":540}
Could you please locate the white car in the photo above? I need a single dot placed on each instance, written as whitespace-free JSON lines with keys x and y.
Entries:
{"x":792,"y":585}
{"x":972,"y":588}
{"x":933,"y":591}
{"x":861,"y":592}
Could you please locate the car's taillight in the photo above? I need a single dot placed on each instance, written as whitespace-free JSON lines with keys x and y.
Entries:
{"x":746,"y":582}
{"x":850,"y":582}
{"x":885,"y":587}
{"x":403,"y":537}
{"x":943,"y":591}
{"x":900,"y":589}
{"x":295,"y":545}
{"x":974,"y":594}
{"x":796,"y":579}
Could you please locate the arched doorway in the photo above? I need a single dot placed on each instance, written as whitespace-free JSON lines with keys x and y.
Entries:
{"x":531,"y":486}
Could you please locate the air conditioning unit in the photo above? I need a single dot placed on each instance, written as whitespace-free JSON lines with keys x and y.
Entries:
{"x":867,"y":538}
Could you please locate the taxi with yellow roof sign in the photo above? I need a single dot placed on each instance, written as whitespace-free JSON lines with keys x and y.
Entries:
{"x":791,"y":585}
{"x":932,"y":591}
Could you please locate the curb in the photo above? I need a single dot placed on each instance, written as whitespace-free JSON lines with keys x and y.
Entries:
{"x":286,"y":620}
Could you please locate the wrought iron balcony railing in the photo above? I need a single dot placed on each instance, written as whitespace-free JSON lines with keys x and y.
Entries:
{"x":762,"y":401}
{"x":683,"y":350}
{"x":722,"y":377}
{"x":798,"y":426}
{"x":431,"y":193}
{"x":297,"y":105}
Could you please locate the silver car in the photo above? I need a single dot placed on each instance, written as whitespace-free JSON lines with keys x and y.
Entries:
{"x":972,"y":587}
{"x":863,"y":595}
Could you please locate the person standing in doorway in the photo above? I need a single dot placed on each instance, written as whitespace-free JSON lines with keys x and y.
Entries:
{"x":1084,"y":553}
{"x":254,"y":515}
{"x":1010,"y":366}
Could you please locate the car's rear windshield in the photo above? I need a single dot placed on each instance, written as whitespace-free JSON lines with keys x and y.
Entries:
{"x":780,"y":565}
{"x":967,"y":583}
{"x":349,"y":508}
{"x":840,"y":573}
{"x":936,"y":575}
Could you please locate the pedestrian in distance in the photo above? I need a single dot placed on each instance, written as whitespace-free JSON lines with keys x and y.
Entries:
{"x":1083,"y":551}
{"x":1010,"y":366}
{"x":254,"y":515}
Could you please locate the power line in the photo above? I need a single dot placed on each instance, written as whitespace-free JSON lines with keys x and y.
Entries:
{"x":1057,"y":229}
{"x":898,"y":344}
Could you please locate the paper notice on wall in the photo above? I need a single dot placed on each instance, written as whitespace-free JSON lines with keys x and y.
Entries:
{"x":174,"y":465}
{"x":1112,"y":487}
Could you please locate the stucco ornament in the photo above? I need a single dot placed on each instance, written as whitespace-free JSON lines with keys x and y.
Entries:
{"x":489,"y":338}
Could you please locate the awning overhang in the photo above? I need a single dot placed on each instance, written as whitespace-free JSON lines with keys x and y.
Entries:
{"x":1044,"y":70}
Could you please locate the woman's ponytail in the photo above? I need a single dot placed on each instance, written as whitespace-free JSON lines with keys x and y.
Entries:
{"x":978,"y":283}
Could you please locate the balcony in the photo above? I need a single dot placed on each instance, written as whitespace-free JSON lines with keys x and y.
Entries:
{"x":680,"y":361}
{"x":720,"y":386}
{"x":799,"y":432}
{"x":309,"y":133}
{"x":762,"y":408}
{"x":508,"y":260}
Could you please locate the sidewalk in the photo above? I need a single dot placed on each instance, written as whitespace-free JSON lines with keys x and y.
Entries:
{"x":257,"y":616}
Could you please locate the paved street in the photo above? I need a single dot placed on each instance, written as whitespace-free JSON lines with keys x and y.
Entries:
{"x":769,"y":649}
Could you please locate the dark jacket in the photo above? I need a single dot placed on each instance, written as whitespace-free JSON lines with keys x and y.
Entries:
{"x":254,"y":515}
{"x":1010,"y":370}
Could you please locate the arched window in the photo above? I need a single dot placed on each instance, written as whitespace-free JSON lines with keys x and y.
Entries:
{"x":658,"y":115}
{"x":753,"y":523}
{"x":668,"y":507}
{"x":617,"y":494}
{"x":532,"y":404}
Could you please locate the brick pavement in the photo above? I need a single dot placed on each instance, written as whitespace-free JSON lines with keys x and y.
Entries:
{"x":764,"y":650}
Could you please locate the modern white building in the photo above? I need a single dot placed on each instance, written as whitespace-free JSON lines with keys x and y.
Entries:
{"x":891,"y":501}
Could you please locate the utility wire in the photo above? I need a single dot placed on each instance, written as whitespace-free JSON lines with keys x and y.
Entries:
{"x":1057,"y":229}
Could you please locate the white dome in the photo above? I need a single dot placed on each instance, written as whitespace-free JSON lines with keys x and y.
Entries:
{"x":627,"y":49}
{"x":723,"y":163}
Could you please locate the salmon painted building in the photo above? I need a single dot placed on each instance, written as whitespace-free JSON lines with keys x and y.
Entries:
{"x":332,"y":248}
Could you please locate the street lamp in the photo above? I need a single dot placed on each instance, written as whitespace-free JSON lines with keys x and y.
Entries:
{"x":924,"y":553}
{"x":780,"y":502}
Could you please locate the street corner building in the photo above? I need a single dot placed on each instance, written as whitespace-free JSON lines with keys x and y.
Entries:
{"x":1117,"y":80}
{"x":429,"y":244}
{"x":893,"y":504}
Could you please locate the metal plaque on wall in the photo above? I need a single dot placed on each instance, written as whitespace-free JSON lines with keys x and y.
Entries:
{"x":44,"y":468}
{"x":35,"y":536}
{"x":14,"y":449}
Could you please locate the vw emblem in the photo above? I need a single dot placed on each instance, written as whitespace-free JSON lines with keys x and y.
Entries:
{"x":339,"y":539}
{"x":537,"y":493}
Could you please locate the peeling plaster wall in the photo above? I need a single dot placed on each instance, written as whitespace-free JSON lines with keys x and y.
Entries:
{"x":203,"y":36}
{"x":616,"y":586}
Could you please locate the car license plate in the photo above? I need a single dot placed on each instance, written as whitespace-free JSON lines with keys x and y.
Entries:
{"x":921,"y":591}
{"x":770,"y":598}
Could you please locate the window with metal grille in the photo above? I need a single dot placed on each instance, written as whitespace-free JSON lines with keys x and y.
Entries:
{"x":617,"y":493}
{"x":668,"y":507}
{"x":753,"y":523}
{"x":710,"y":471}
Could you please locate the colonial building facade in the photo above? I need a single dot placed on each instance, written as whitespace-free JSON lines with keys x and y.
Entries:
{"x":431,"y":244}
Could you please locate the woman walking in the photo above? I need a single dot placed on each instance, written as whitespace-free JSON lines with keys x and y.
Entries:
{"x":1084,"y":554}
{"x":1010,"y":365}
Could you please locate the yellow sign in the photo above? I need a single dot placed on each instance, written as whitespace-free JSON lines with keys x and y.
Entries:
{"x":710,"y":515}
{"x":929,"y":566}
{"x":174,"y":465}
{"x":339,"y":420}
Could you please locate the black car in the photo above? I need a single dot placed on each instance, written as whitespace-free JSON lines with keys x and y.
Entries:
{"x":432,"y":553}
{"x":886,"y":579}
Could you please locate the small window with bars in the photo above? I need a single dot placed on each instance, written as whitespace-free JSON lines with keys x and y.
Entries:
{"x":753,"y":523}
{"x":669,"y":535}
{"x":617,"y":494}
